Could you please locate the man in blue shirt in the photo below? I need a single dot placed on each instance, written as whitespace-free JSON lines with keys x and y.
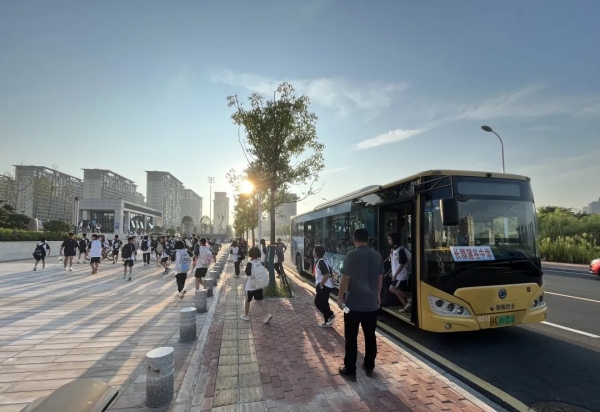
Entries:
{"x":360,"y":295}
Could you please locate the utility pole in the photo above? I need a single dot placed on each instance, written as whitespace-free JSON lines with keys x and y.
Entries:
{"x":211,"y":180}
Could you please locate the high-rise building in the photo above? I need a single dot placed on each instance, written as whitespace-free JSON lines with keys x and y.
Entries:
{"x":585,"y":210}
{"x":594,"y":208}
{"x":105,"y":184}
{"x":45,"y":193}
{"x":191,"y":205}
{"x":283,"y":215}
{"x":7,"y":190}
{"x":164,"y":192}
{"x":221,"y":212}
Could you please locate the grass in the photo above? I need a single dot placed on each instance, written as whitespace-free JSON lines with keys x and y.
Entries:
{"x":276,"y":291}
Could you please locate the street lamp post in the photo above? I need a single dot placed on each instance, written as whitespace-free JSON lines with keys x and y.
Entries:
{"x":489,"y":130}
{"x":211,"y":180}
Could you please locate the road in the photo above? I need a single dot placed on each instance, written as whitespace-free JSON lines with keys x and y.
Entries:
{"x":535,"y":363}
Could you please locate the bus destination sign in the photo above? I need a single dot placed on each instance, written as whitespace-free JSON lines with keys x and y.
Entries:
{"x":471,"y":253}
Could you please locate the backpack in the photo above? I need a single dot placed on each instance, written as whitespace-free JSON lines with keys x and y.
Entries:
{"x":39,"y":251}
{"x":159,"y":248}
{"x":186,"y":261}
{"x":126,"y":252}
{"x":205,"y":258}
{"x":145,"y":245}
{"x":408,"y":260}
{"x":260,"y":274}
{"x":82,"y":244}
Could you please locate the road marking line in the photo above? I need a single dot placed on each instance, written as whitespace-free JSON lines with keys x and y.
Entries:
{"x":574,"y":272}
{"x":571,"y":330}
{"x":572,"y":297}
{"x":479,"y":383}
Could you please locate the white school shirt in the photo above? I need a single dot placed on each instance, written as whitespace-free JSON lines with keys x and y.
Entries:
{"x":395,"y":259}
{"x":234,"y":252}
{"x":96,"y":248}
{"x":179,"y":260}
{"x":149,"y":246}
{"x":254,"y":262}
{"x":319,"y":275}
{"x":263,"y":255}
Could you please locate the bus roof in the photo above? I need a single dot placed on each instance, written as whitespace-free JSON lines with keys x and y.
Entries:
{"x":375,"y":188}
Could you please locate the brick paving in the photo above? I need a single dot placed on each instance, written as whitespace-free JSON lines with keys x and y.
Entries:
{"x":297,"y":364}
{"x":58,"y":326}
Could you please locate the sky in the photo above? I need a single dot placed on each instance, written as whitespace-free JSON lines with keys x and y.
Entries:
{"x":399,"y":87}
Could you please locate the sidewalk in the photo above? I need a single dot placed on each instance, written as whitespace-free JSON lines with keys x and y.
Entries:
{"x":291,"y":365}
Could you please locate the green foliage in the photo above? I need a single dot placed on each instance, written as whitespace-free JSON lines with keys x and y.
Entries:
{"x":10,"y":220}
{"x":57,"y":226}
{"x":276,"y":290}
{"x":171,"y":232}
{"x":156,"y":229}
{"x":280,"y":144}
{"x":567,"y":236}
{"x":8,"y":235}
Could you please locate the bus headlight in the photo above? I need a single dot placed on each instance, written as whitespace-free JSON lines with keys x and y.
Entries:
{"x":538,"y":303}
{"x":445,"y":308}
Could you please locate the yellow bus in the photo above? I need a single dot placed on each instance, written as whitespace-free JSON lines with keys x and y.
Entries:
{"x":473,"y":242}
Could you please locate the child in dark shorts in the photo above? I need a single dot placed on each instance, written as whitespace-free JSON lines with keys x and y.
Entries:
{"x":251,"y":293}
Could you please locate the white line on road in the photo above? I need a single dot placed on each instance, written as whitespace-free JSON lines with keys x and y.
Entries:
{"x":571,"y":330}
{"x":572,"y":297}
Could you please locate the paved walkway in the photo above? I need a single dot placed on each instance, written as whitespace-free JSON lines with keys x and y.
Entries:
{"x":291,"y":365}
{"x":57,"y":326}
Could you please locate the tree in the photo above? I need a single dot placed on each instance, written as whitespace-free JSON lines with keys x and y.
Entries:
{"x":171,"y":232}
{"x":156,"y":229}
{"x":57,"y":226}
{"x":187,"y":222}
{"x":205,"y":222}
{"x":280,"y":145}
{"x":279,"y":135}
{"x":221,"y":218}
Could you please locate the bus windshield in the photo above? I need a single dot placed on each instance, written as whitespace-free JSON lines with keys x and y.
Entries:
{"x":495,"y":241}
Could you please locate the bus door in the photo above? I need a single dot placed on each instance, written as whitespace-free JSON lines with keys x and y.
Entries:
{"x":309,"y":245}
{"x":397,"y":218}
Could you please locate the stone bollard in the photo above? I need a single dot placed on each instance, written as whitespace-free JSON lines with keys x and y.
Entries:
{"x":160,"y":377}
{"x":187,"y":325}
{"x":210,"y":282}
{"x":213,"y":274}
{"x":200,"y":300}
{"x":218,"y":267}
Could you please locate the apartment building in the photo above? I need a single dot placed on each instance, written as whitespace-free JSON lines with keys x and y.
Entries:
{"x":164,"y":192}
{"x":45,"y":193}
{"x":7,"y":190}
{"x":106,"y":184}
{"x":191,"y":205}
{"x":221,"y":212}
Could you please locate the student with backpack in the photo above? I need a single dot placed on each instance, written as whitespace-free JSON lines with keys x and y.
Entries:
{"x":146,"y":248}
{"x":258,"y":279}
{"x":183,"y":264}
{"x":400,"y":258}
{"x":42,"y":250}
{"x":83,"y":246}
{"x":95,"y":249}
{"x":116,"y":246}
{"x":322,"y":271}
{"x":204,"y":258}
{"x":234,"y":254}
{"x":128,"y":255}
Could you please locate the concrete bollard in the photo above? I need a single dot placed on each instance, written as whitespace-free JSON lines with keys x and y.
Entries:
{"x":200,"y":301}
{"x":218,"y":267}
{"x":213,"y":274}
{"x":210,"y":282}
{"x":160,"y":377}
{"x":187,"y":325}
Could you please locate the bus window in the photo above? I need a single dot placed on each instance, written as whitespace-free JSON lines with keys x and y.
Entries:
{"x":300,"y":229}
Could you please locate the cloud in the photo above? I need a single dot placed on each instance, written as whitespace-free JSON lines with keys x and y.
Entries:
{"x":392,"y":136}
{"x":533,"y":101}
{"x":344,"y":96}
{"x":336,"y":170}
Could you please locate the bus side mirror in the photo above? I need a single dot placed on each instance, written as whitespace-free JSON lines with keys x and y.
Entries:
{"x":449,"y":211}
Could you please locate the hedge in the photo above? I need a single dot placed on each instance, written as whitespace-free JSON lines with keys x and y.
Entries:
{"x":7,"y":235}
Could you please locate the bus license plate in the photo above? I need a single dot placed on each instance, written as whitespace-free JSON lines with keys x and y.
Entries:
{"x":502,"y":320}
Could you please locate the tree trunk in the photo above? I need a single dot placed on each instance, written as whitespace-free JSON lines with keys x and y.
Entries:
{"x":272,"y":246}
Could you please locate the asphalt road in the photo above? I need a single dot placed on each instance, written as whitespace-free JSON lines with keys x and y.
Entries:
{"x":534,"y":363}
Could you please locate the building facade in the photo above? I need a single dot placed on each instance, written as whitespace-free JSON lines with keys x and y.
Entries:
{"x":221,"y":212}
{"x":283,"y":216}
{"x":46,"y":194}
{"x":7,"y":190}
{"x":164,"y":193}
{"x":105,"y":184}
{"x":117,"y":216}
{"x":191,"y":205}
